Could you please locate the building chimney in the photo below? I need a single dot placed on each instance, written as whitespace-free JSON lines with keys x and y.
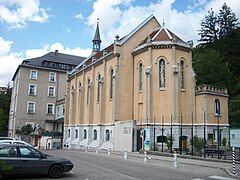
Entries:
{"x":56,"y":51}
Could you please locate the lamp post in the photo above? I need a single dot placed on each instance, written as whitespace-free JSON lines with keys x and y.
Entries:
{"x":218,"y":140}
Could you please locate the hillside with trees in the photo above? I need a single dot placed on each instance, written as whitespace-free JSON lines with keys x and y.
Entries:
{"x":216,"y":59}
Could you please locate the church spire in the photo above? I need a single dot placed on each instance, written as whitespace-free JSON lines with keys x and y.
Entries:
{"x":96,"y":40}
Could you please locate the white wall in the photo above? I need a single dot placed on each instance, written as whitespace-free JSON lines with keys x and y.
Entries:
{"x":123,"y":135}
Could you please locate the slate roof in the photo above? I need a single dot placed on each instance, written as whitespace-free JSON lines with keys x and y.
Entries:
{"x":97,"y":57}
{"x":97,"y":34}
{"x":55,"y":57}
{"x":52,"y":57}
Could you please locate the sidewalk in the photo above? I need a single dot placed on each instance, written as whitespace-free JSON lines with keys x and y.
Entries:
{"x":225,"y":165}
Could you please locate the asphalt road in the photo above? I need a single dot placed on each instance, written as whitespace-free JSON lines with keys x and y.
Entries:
{"x":101,"y":166}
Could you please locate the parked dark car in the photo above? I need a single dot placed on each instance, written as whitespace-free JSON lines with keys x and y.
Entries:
{"x":7,"y":138}
{"x":26,"y":160}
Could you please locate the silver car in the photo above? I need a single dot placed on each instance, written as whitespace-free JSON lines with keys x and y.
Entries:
{"x":16,"y":159}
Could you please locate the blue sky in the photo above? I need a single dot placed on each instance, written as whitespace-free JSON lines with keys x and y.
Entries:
{"x":32,"y":28}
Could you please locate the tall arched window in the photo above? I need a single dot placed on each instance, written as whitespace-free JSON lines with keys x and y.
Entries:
{"x":95,"y":134}
{"x":111,"y":84}
{"x":140,"y":76}
{"x":88,"y":90}
{"x":182,"y":74}
{"x":84,"y":134}
{"x":162,"y":83}
{"x":76,"y":133}
{"x":98,"y":88}
{"x":80,"y":86}
{"x":69,"y":133}
{"x":107,"y":135}
{"x":217,"y":107}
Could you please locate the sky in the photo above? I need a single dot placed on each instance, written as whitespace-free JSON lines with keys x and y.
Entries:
{"x":32,"y":28}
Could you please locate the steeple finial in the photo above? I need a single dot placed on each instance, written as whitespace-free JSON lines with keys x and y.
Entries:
{"x":163,"y":23}
{"x":96,"y":40}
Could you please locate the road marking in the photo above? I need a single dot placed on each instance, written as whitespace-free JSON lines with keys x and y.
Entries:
{"x":197,"y":179}
{"x":71,"y":172}
{"x":220,"y":178}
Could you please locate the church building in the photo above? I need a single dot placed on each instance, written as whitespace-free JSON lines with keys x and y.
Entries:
{"x":140,"y":90}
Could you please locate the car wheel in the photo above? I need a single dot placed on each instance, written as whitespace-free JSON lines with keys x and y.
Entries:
{"x":55,"y":171}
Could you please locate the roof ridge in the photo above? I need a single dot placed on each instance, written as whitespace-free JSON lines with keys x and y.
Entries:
{"x":161,"y":29}
{"x":122,"y":41}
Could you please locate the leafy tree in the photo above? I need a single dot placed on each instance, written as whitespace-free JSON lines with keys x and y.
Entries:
{"x":211,"y":68}
{"x":4,"y":111}
{"x":229,"y":48}
{"x":169,"y":141}
{"x":2,"y":120}
{"x":4,"y":167}
{"x":198,"y":143}
{"x":215,"y":26}
{"x":209,"y":28}
{"x":27,"y":129}
{"x":227,"y":21}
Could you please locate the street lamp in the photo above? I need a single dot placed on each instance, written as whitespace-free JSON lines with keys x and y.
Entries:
{"x":218,"y":140}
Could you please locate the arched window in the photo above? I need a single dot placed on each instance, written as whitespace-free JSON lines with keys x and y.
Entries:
{"x":84,"y":134}
{"x":80,"y":86}
{"x":76,"y":133}
{"x":162,"y":83}
{"x":107,"y":135}
{"x":98,"y":89}
{"x":182,"y":74}
{"x":69,"y":133}
{"x":140,"y":76}
{"x":217,"y":107}
{"x":88,"y":91}
{"x":111,"y":84}
{"x":95,"y":134}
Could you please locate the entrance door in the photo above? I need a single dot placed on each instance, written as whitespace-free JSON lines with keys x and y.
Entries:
{"x":139,"y":140}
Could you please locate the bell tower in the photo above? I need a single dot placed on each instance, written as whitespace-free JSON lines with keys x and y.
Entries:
{"x":96,"y":40}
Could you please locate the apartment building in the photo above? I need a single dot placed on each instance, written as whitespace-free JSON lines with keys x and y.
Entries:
{"x":37,"y":84}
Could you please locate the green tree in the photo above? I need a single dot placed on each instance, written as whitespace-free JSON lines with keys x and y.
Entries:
{"x":4,"y":167}
{"x":229,"y":48}
{"x":215,"y":26}
{"x":27,"y":129}
{"x":211,"y":68}
{"x":4,"y":111}
{"x":169,"y":141}
{"x":209,"y":30}
{"x":2,"y":120}
{"x":227,"y":21}
{"x":198,"y":144}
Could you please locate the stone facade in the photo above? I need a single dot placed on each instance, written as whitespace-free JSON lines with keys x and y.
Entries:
{"x":144,"y":80}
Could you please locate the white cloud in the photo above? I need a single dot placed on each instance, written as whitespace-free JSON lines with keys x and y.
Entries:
{"x":121,"y":21}
{"x":5,"y":46}
{"x":61,"y":49}
{"x":16,"y":13}
{"x":79,"y":17}
{"x":9,"y":61}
